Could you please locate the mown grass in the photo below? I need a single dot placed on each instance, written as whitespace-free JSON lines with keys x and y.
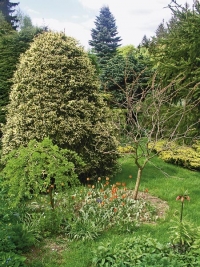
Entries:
{"x":162,"y":180}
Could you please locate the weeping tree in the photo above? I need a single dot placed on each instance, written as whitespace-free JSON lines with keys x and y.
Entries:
{"x":55,"y":94}
{"x":40,"y":167}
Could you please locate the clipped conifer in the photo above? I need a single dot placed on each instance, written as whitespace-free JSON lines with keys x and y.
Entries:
{"x":55,"y":95}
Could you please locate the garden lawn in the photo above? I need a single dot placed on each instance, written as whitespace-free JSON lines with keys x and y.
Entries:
{"x":161,"y":180}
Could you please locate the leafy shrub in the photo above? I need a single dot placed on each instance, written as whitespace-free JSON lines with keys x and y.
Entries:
{"x":38,"y":168}
{"x":14,"y":238}
{"x":125,"y":149}
{"x":55,"y":94}
{"x":141,"y":251}
{"x":11,"y":259}
{"x":185,"y":156}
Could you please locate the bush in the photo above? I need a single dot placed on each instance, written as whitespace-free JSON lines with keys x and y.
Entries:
{"x":39,"y":168}
{"x":14,"y":238}
{"x":142,"y":251}
{"x":185,"y":156}
{"x":55,"y":94}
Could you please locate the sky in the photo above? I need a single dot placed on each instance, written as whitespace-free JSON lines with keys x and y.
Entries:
{"x":134,"y":18}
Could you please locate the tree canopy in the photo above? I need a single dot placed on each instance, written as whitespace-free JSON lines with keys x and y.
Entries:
{"x":125,"y":75}
{"x":55,"y":94}
{"x":176,"y":51}
{"x":12,"y":44}
{"x":104,"y":37}
{"x":8,"y":8}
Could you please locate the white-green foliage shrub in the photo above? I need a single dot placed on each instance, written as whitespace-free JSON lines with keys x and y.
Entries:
{"x":55,"y":95}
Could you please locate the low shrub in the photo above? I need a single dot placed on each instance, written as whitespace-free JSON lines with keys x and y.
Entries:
{"x":182,"y":155}
{"x":142,"y":251}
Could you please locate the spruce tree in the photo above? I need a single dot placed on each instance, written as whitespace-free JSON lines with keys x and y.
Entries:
{"x":55,"y":95}
{"x":104,"y":37}
{"x":8,"y":8}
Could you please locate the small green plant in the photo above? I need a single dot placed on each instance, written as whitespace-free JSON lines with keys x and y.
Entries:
{"x":142,"y":251}
{"x":184,"y":234}
{"x":134,"y":251}
{"x":11,"y":259}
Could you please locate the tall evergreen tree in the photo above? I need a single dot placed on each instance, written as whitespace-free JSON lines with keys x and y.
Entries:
{"x":125,"y":75}
{"x":12,"y":44}
{"x":177,"y":52}
{"x":8,"y":8}
{"x":104,"y":37}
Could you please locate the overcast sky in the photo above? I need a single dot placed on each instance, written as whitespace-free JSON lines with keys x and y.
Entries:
{"x":134,"y":18}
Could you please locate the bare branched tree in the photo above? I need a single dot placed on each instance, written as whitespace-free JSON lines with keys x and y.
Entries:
{"x":155,"y":113}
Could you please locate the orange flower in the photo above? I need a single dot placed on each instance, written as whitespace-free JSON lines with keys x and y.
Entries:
{"x":130,"y":176}
{"x":93,"y":187}
{"x":114,"y":189}
{"x":123,"y":184}
{"x":188,"y":198}
{"x":146,"y":190}
{"x":124,"y":195}
{"x":107,"y":178}
{"x":118,"y":183}
{"x":105,"y":196}
{"x":88,"y":179}
{"x":115,"y":209}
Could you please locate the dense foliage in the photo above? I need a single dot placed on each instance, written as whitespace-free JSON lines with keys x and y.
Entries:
{"x":104,"y":37}
{"x":182,"y":155}
{"x":55,"y":94}
{"x":37,"y":168}
{"x":12,"y":44}
{"x":125,"y":75}
{"x":175,"y":49}
{"x":143,"y":251}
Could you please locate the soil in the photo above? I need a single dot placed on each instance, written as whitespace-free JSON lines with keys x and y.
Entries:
{"x":160,"y":205}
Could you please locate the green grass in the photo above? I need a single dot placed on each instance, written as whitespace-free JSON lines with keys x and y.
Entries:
{"x":166,"y":181}
{"x":163,"y":180}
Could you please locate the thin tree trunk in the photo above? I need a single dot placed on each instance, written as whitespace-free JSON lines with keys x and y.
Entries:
{"x":139,"y":175}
